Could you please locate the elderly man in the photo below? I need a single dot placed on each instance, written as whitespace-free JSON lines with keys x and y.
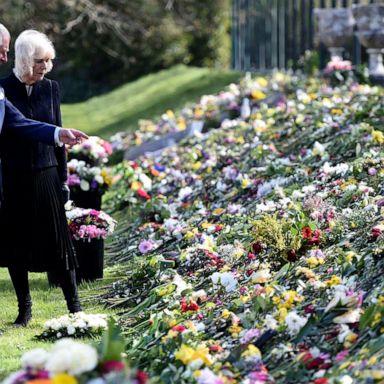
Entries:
{"x":13,"y":123}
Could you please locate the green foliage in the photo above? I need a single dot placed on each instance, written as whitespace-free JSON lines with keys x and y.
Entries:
{"x":277,"y":236}
{"x":103,"y":43}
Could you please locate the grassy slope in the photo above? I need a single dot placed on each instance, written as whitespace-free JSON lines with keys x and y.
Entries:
{"x":47,"y":303}
{"x":145,"y":98}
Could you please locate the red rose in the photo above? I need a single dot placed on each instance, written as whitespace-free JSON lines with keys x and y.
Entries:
{"x":306,"y":232}
{"x":292,"y":256}
{"x":315,"y":363}
{"x":321,"y":380}
{"x":112,"y":366}
{"x":141,"y":377}
{"x":141,"y":193}
{"x":310,"y":308}
{"x":257,"y":248}
{"x":179,"y":328}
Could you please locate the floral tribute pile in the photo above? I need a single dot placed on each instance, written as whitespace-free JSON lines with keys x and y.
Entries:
{"x":256,"y":256}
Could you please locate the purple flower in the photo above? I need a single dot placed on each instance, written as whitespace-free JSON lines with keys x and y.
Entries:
{"x":146,"y":246}
{"x":73,"y":180}
{"x":249,"y":336}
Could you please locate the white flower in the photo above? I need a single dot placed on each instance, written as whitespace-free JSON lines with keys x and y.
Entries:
{"x":71,"y":330}
{"x":352,"y":316}
{"x":294,"y":322}
{"x":185,"y":192}
{"x":270,"y":322}
{"x":84,"y":185}
{"x":146,"y":181}
{"x":228,"y":281}
{"x":346,"y":380}
{"x":71,"y":357}
{"x":215,"y":277}
{"x":261,"y":276}
{"x":34,"y":359}
{"x":318,"y":149}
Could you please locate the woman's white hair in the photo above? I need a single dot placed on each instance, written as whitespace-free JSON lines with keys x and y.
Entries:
{"x":31,"y":45}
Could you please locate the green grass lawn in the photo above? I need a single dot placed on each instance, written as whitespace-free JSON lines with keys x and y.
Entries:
{"x":146,"y":98}
{"x":47,"y":303}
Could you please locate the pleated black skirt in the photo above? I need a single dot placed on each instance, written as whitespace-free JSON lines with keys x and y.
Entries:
{"x":33,"y":226}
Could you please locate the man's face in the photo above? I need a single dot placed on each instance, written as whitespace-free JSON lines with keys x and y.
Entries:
{"x":4,"y":48}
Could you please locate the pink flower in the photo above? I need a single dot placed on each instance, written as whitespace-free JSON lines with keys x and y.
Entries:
{"x":146,"y":246}
{"x":341,"y":355}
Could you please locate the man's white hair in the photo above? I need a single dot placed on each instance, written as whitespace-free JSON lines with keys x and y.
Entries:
{"x":29,"y":46}
{"x":3,"y":32}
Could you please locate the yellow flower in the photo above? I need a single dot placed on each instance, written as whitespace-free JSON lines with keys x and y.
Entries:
{"x":135,"y":185}
{"x":191,"y":234}
{"x":64,"y":378}
{"x":245,"y":299}
{"x":376,"y":319}
{"x":372,"y":360}
{"x":245,"y":183}
{"x":199,"y":113}
{"x":206,"y":225}
{"x":218,"y":211}
{"x":269,"y":290}
{"x":377,"y":374}
{"x":181,"y":123}
{"x":334,"y":280}
{"x":172,"y":322}
{"x":225,"y":314}
{"x":377,"y":137}
{"x":262,"y":81}
{"x":251,"y":351}
{"x":282,"y":314}
{"x":170,"y":114}
{"x":187,"y":354}
{"x":196,"y":166}
{"x":336,"y":111}
{"x":257,"y":95}
{"x":312,"y":261}
{"x":235,"y":329}
{"x":240,"y":140}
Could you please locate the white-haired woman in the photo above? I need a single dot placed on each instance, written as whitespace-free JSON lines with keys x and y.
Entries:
{"x":34,"y":231}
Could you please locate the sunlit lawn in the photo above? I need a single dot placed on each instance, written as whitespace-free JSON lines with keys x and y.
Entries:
{"x":47,"y":303}
{"x":145,"y":98}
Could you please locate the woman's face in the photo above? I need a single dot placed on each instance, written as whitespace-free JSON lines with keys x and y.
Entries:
{"x":39,"y":69}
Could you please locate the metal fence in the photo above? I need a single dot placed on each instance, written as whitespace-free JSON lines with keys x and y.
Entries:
{"x":268,"y":34}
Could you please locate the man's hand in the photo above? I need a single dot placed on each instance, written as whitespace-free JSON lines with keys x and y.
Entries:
{"x":71,"y":136}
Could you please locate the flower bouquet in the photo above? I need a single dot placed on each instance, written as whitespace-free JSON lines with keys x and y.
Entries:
{"x":89,"y":227}
{"x":94,"y":151}
{"x":74,"y":325}
{"x":88,"y":224}
{"x":69,"y":361}
{"x":87,"y":183}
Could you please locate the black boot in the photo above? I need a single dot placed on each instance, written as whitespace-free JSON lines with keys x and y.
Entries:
{"x":25,"y":313}
{"x":69,"y":287}
{"x":19,"y":277}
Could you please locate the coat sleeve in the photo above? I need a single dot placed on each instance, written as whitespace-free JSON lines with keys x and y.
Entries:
{"x":60,"y":152}
{"x":16,"y":125}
